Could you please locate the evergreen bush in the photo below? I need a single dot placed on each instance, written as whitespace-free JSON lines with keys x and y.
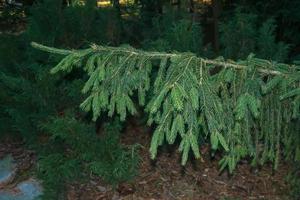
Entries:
{"x":173,"y":31}
{"x":42,"y":109}
{"x":242,"y":34}
{"x":75,"y":150}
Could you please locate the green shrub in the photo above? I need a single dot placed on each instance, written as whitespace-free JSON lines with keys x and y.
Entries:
{"x":242,"y":34}
{"x":75,"y":151}
{"x":43,"y":109}
{"x":176,"y":32}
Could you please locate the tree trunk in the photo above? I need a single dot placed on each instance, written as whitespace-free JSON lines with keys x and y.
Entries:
{"x":192,"y":10}
{"x":178,"y":5}
{"x":216,"y":8}
{"x":116,"y":5}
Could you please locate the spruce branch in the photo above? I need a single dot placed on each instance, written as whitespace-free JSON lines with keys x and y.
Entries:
{"x":152,"y":54}
{"x":236,"y":106}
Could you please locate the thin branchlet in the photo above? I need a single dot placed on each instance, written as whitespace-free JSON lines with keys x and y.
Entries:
{"x":151,"y":54}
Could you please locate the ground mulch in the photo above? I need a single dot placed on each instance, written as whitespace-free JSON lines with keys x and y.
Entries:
{"x":166,"y":179}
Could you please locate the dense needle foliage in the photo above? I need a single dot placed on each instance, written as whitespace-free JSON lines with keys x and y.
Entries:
{"x":249,"y":108}
{"x":74,"y":149}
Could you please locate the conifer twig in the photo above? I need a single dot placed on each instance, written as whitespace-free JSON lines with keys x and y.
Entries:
{"x":237,"y":66}
{"x":51,"y":49}
{"x":152,"y":54}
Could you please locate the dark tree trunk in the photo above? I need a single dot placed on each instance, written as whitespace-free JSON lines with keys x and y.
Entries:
{"x":116,"y":5}
{"x":192,"y":10}
{"x":150,"y":9}
{"x":216,"y":8}
{"x":192,"y":6}
{"x":178,"y":4}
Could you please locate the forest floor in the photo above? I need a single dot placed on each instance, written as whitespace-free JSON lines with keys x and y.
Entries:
{"x":166,"y":179}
